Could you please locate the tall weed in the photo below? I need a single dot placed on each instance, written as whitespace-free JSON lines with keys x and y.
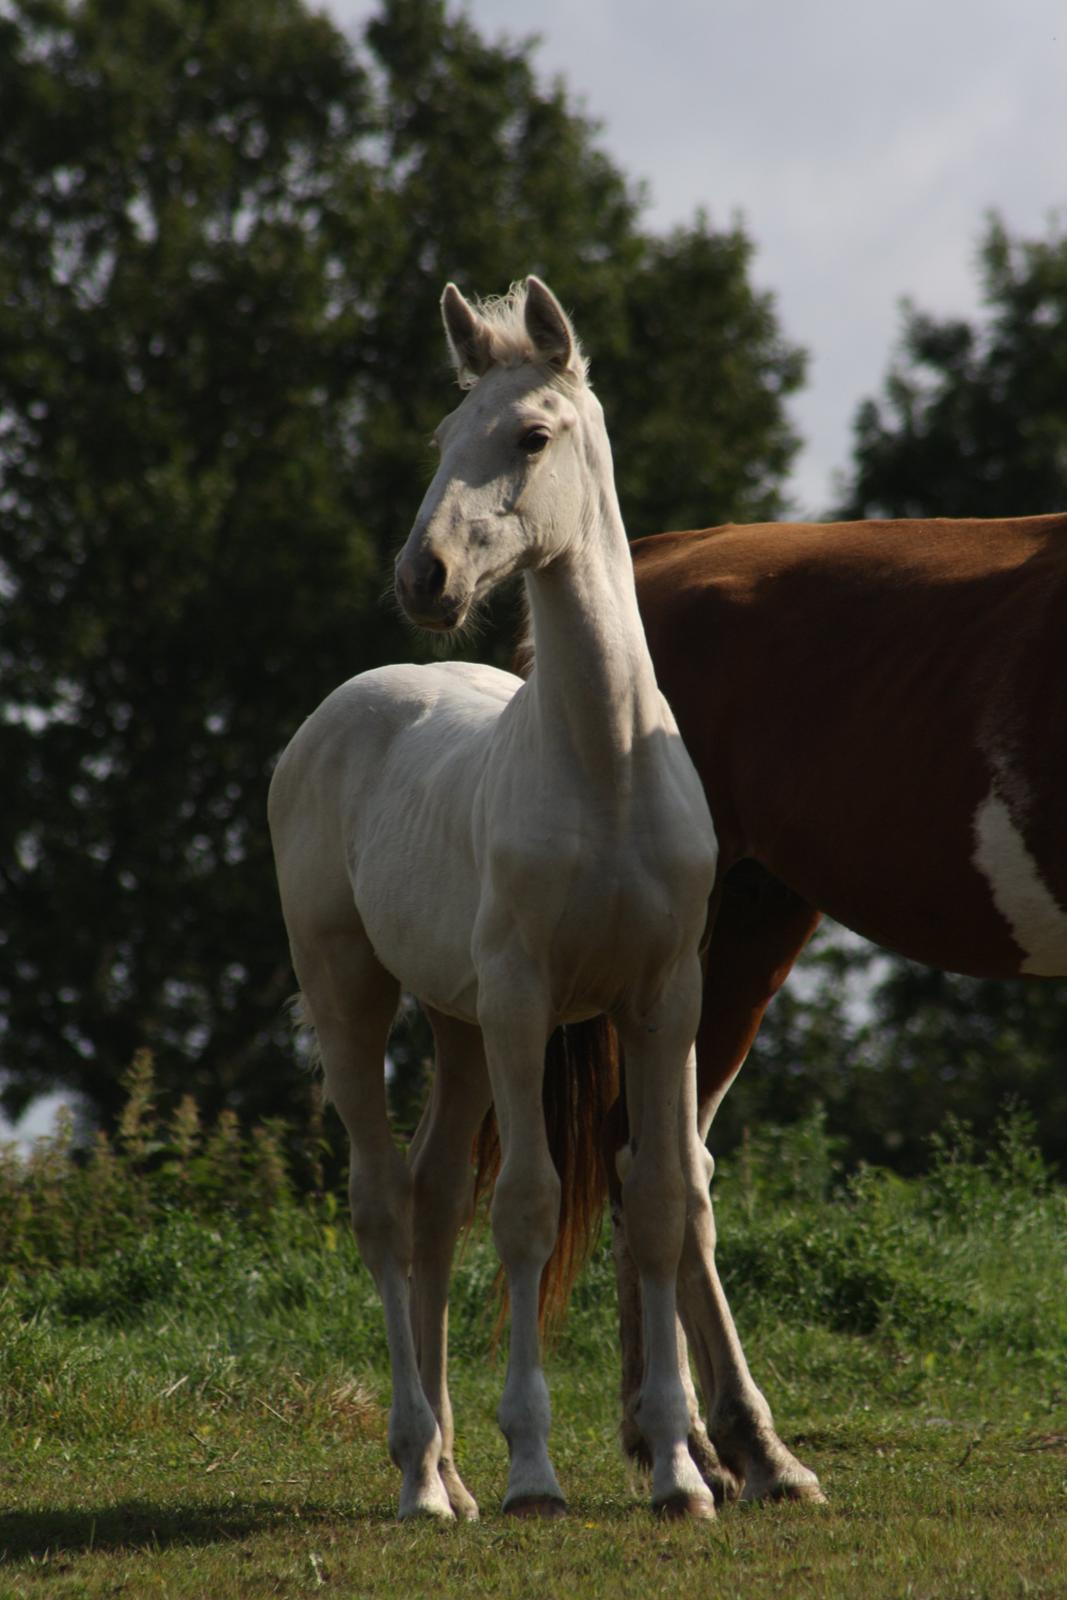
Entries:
{"x":200,"y":1244}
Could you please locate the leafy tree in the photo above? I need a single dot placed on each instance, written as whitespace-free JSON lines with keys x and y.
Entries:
{"x":176,"y":504}
{"x":942,"y":1046}
{"x":893,"y":1053}
{"x":973,"y":420}
{"x":223,"y":234}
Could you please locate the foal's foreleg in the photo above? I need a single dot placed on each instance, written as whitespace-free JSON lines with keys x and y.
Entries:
{"x":440,"y":1159}
{"x":351,"y":1001}
{"x":525,"y":1221}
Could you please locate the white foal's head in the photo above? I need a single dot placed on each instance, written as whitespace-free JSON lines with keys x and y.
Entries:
{"x":524,"y":460}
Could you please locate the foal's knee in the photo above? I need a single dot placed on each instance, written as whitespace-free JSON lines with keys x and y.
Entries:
{"x":381,"y":1211}
{"x":525,"y":1214}
{"x":654,"y":1212}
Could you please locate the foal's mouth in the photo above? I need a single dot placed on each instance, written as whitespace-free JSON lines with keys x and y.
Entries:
{"x":441,"y":619}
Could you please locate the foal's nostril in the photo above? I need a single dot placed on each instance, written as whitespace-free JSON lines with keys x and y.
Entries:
{"x":421,"y":582}
{"x":435,"y":577}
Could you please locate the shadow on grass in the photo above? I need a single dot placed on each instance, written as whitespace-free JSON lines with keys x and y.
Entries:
{"x":142,"y":1525}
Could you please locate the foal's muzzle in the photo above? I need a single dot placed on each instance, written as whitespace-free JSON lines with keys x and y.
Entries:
{"x":421,"y":582}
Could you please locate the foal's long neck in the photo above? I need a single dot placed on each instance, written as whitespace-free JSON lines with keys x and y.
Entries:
{"x":593,"y":681}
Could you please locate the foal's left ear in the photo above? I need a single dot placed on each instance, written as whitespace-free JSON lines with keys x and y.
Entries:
{"x":546,"y":323}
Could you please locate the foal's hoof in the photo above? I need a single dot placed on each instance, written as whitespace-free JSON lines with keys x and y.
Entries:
{"x":423,"y":1512}
{"x":426,"y":1499}
{"x":803,"y":1493}
{"x":686,"y":1504}
{"x":460,"y":1498}
{"x":539,"y":1507}
{"x":799,"y":1491}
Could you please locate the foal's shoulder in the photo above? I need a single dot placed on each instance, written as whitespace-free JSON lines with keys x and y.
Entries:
{"x":475,"y":679}
{"x":444,"y":700}
{"x":407,"y":687}
{"x":403,"y":711}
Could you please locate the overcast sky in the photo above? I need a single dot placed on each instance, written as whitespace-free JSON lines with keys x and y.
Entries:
{"x":861,"y":144}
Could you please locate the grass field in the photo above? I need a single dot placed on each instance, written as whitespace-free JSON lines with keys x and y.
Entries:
{"x":193,"y":1389}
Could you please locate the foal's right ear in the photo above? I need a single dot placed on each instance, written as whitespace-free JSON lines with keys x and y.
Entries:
{"x":469,"y":340}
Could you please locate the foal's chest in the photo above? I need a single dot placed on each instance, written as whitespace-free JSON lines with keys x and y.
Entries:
{"x":600,"y":908}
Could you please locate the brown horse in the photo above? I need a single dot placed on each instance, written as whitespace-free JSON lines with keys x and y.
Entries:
{"x":878,"y":711}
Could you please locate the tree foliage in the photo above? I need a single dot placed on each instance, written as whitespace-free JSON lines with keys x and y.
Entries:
{"x":973,"y":419}
{"x":223,"y":234}
{"x":895,"y":1053}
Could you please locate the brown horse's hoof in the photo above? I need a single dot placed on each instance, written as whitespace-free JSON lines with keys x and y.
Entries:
{"x":700,"y":1507}
{"x":539,"y":1507}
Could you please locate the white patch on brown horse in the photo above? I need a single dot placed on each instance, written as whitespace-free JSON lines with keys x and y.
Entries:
{"x":1037,"y":921}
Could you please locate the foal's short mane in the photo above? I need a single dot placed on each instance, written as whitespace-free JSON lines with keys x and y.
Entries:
{"x":504,"y":315}
{"x":522,"y":655}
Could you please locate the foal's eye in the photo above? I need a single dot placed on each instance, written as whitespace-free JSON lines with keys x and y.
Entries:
{"x":534,"y":442}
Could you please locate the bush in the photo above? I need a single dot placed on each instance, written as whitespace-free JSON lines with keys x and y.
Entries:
{"x":201,"y":1241}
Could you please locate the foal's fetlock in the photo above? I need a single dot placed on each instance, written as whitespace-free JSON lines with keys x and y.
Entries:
{"x":724,"y":1484}
{"x":634,"y":1444}
{"x":415,"y":1447}
{"x":748,"y":1445}
{"x":781,"y":1477}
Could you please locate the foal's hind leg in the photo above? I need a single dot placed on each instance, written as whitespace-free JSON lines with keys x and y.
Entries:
{"x":719,"y":1479}
{"x":351,"y":1001}
{"x":760,"y":928}
{"x":440,"y":1159}
{"x":663,"y":1179}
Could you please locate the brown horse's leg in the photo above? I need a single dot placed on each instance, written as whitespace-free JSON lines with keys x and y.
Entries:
{"x":760,"y":928}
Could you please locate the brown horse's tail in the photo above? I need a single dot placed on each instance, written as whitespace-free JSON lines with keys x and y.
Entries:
{"x":581,"y":1084}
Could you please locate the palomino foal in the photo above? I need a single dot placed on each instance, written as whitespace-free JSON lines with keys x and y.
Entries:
{"x":516,"y":855}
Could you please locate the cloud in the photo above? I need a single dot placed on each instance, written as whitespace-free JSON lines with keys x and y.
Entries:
{"x":861,"y":144}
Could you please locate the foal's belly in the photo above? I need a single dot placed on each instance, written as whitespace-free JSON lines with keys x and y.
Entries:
{"x":427,"y":953}
{"x":599,"y":945}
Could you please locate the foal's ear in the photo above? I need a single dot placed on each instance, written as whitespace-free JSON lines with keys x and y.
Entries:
{"x":546,"y":323}
{"x":469,"y":340}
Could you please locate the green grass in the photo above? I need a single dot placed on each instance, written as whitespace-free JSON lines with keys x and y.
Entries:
{"x":195,"y":1403}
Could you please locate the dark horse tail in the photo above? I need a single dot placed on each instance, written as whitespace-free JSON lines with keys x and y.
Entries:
{"x":581,"y":1085}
